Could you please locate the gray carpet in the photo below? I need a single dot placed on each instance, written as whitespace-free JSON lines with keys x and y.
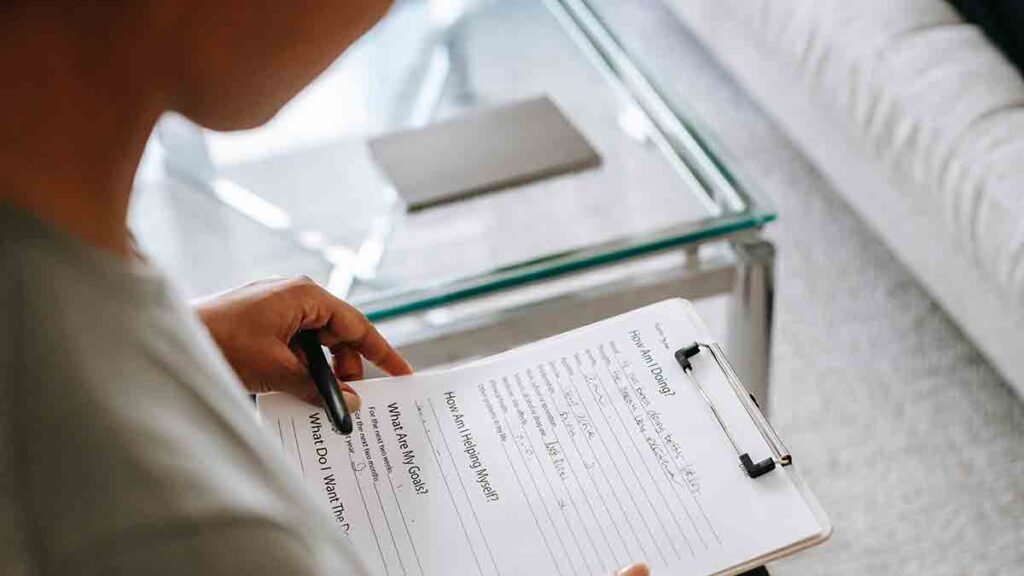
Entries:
{"x":913,"y":444}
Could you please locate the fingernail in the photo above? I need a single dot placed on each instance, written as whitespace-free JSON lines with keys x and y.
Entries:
{"x":352,"y":400}
{"x":639,"y":569}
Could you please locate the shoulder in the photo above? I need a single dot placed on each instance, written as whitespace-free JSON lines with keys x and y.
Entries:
{"x":129,"y":427}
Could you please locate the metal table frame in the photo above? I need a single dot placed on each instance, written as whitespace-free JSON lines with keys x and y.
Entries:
{"x":742,"y":266}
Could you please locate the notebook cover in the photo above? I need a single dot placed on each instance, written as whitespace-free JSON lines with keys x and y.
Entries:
{"x":480,"y":152}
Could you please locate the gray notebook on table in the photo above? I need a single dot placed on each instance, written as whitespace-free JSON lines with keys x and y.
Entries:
{"x":480,"y":152}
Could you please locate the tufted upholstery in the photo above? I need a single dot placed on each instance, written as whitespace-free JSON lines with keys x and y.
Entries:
{"x":942,"y":110}
{"x":918,"y":122}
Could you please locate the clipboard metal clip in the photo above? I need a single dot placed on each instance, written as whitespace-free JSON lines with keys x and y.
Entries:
{"x":780,"y":456}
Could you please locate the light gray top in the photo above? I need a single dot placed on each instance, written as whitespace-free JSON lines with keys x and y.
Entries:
{"x":127,"y":444}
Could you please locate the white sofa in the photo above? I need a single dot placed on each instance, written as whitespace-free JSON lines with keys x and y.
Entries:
{"x":918,"y":121}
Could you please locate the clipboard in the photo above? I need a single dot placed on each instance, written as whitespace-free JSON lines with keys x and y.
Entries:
{"x":707,"y":352}
{"x":789,"y":520}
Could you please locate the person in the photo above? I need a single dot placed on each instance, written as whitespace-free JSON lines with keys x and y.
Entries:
{"x":127,"y":441}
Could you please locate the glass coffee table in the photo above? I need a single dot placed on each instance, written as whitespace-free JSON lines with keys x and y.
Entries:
{"x":661,"y":216}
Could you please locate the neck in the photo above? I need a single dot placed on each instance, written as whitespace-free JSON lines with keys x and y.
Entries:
{"x":71,"y":142}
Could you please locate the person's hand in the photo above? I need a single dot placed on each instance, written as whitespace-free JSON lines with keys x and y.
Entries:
{"x":634,"y":570}
{"x":254,"y":326}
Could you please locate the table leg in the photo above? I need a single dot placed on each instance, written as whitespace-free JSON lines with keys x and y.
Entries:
{"x":750,"y":316}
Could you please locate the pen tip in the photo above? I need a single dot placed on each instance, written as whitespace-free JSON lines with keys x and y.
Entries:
{"x":345,"y":426}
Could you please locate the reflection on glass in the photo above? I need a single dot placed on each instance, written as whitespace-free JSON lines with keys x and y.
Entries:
{"x":308,"y":182}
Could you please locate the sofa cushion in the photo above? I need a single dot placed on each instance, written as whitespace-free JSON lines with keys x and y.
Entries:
{"x":929,"y":95}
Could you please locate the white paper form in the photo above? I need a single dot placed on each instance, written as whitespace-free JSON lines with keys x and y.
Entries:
{"x":576,"y":455}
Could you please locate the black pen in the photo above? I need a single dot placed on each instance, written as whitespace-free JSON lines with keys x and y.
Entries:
{"x":326,"y":384}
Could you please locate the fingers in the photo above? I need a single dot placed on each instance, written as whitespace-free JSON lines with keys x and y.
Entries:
{"x":348,"y":365}
{"x":342,"y":326}
{"x":294,"y":379}
{"x":294,"y":376}
{"x":639,"y":569}
{"x":348,"y":328}
{"x":352,"y":400}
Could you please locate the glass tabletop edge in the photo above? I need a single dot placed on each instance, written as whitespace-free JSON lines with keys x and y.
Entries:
{"x":676,"y":128}
{"x":385,"y":307}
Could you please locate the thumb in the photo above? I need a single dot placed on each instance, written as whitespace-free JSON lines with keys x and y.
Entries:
{"x":639,"y":569}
